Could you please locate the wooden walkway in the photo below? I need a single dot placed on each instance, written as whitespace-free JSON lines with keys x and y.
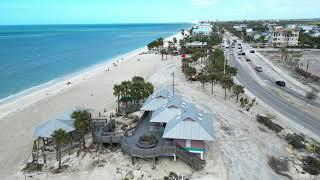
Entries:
{"x":129,"y":138}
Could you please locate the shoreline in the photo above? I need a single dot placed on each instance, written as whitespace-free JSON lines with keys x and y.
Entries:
{"x":17,"y":102}
{"x":93,"y":89}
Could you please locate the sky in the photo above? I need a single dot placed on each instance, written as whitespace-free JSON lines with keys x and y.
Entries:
{"x":14,"y":12}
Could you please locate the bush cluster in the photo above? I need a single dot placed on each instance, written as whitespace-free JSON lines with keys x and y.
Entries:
{"x":296,"y":141}
{"x":269,"y":123}
{"x":311,"y":165}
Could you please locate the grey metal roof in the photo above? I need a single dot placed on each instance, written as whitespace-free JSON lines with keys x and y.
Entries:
{"x":156,"y":100}
{"x":46,"y":129}
{"x":192,"y":124}
{"x":62,"y":121}
{"x":176,"y":106}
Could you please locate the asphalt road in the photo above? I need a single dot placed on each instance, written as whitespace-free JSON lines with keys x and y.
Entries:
{"x":299,"y":116}
{"x":265,"y":77}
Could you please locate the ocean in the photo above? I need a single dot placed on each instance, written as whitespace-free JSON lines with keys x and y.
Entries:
{"x":34,"y":57}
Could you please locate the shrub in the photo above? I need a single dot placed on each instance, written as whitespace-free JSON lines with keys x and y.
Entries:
{"x":296,"y":141}
{"x":311,"y":165}
{"x":32,"y":167}
{"x":267,"y":122}
{"x":278,"y":165}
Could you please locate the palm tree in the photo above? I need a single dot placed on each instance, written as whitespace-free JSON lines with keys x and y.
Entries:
{"x":238,"y":90}
{"x":60,"y":137}
{"x":182,"y":32}
{"x":175,"y":40}
{"x":126,"y":86}
{"x":203,"y":79}
{"x":81,"y":123}
{"x":214,"y":78}
{"x":163,"y":52}
{"x":117,"y":90}
{"x":226,"y":83}
{"x":160,"y":42}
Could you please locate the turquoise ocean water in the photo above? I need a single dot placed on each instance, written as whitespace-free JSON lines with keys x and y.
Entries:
{"x":33,"y":57}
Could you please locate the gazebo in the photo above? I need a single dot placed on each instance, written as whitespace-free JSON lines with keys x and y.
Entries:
{"x":43,"y":132}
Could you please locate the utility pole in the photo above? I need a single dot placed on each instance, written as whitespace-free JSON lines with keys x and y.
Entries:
{"x":172,"y":82}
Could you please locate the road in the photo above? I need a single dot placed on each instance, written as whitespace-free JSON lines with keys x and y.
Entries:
{"x":297,"y":115}
{"x":290,"y":89}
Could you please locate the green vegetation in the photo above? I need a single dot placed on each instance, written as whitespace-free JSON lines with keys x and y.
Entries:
{"x":296,"y":141}
{"x":156,"y":44}
{"x":246,"y":104}
{"x":311,"y":165}
{"x":32,"y":167}
{"x":269,"y":123}
{"x":279,"y":166}
{"x":237,"y":91}
{"x":60,"y":137}
{"x":131,"y":93}
{"x":307,"y":41}
{"x":81,"y":123}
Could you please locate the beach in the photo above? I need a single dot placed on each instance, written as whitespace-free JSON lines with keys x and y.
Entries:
{"x":91,"y":89}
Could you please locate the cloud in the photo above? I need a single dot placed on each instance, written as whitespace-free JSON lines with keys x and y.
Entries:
{"x":205,"y":2}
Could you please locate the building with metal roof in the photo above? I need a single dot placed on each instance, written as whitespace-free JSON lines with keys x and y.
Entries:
{"x":181,"y":122}
{"x":192,"y":125}
{"x":156,"y":100}
{"x":169,"y":111}
{"x":62,"y":121}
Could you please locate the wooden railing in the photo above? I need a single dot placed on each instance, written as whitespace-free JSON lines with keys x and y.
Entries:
{"x":168,"y":149}
{"x":189,"y":157}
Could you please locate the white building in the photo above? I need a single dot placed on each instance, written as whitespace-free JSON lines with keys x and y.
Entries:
{"x":196,"y":44}
{"x":281,"y":37}
{"x":203,"y":28}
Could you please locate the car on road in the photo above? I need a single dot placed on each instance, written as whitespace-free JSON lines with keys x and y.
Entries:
{"x":241,"y":53}
{"x":247,"y":59}
{"x":231,"y":53}
{"x":258,"y":69}
{"x":252,"y":51}
{"x":281,"y":83}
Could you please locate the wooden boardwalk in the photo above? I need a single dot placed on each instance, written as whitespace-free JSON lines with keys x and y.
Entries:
{"x":129,"y":138}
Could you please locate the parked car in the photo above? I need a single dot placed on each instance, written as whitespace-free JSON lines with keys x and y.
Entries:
{"x":252,"y":51}
{"x":281,"y":83}
{"x":258,"y":69}
{"x":231,"y":53}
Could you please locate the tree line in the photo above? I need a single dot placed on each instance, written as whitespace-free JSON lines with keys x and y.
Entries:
{"x":156,"y":44}
{"x":131,"y":93}
{"x":215,"y":72}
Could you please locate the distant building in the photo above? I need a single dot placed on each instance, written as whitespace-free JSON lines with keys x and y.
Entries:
{"x":196,"y":45}
{"x":307,"y":28}
{"x":281,"y":37}
{"x":203,"y":28}
{"x":240,"y":27}
{"x":315,"y":34}
{"x":249,"y":30}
